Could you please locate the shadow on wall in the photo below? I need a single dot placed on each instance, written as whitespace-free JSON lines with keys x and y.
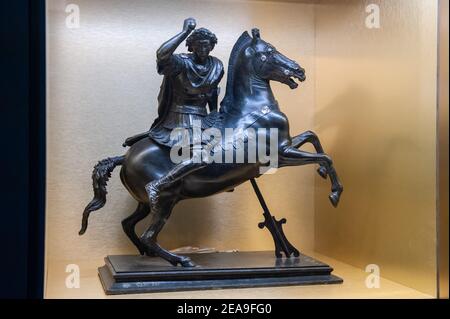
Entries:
{"x":190,"y":224}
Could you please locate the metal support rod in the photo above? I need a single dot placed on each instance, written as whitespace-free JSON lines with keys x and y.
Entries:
{"x":274,"y":226}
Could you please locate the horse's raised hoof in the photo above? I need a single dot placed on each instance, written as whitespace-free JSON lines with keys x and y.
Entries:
{"x":322,"y":172}
{"x":334,"y":198}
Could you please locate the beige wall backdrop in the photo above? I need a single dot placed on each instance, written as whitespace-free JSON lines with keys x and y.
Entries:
{"x":102,"y":88}
{"x":370,"y":94}
{"x":376,"y":114}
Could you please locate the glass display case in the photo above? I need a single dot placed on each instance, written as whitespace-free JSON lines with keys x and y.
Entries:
{"x":376,"y":94}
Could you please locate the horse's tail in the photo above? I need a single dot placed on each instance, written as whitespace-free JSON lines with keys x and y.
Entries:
{"x":100,"y":176}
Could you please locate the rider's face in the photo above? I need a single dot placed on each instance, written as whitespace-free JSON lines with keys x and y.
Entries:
{"x":202,"y":48}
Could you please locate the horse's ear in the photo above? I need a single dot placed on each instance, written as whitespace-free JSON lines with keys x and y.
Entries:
{"x":255,"y":33}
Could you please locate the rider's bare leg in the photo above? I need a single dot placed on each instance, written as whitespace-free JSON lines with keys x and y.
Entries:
{"x":181,"y":170}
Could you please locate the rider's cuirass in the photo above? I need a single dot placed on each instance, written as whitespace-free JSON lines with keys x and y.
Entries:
{"x":188,"y":99}
{"x":192,"y":88}
{"x":186,"y":90}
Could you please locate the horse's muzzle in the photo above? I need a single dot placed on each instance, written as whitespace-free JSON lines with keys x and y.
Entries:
{"x":300,"y":74}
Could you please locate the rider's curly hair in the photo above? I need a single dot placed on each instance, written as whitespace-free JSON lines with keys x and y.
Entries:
{"x":201,"y":34}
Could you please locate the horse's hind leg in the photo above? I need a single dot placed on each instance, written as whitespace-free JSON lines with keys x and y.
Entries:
{"x":160,"y":212}
{"x":163,"y":195}
{"x":129,"y":223}
{"x":311,"y":137}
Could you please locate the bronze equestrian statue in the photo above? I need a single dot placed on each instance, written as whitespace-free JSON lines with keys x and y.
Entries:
{"x":158,"y":184}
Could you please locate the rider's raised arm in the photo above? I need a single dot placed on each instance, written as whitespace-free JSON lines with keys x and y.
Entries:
{"x":165,"y":58}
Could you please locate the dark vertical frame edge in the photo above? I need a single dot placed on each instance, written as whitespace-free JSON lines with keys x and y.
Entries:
{"x":22,"y":191}
{"x":37,"y":149}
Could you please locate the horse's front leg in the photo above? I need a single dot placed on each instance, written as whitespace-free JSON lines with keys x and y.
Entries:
{"x":310,"y":137}
{"x":290,"y":156}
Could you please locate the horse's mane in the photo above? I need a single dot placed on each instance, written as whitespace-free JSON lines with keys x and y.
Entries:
{"x":240,"y":44}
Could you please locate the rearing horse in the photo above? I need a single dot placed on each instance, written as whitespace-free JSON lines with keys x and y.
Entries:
{"x":158,"y":184}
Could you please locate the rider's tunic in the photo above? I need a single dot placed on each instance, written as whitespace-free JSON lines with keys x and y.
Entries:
{"x":186,"y":90}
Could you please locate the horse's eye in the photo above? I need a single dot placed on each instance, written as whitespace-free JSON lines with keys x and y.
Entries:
{"x":263,"y":58}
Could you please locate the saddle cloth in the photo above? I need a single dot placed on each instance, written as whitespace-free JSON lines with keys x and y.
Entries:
{"x":215,"y":122}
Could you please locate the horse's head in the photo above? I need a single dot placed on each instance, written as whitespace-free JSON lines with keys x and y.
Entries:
{"x":269,"y":64}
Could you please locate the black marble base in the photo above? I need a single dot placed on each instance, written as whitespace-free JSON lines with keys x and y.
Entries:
{"x":139,"y":274}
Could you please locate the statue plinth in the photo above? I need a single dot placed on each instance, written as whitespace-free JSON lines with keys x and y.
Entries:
{"x":141,"y":274}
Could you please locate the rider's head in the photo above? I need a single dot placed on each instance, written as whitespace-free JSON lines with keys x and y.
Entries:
{"x":201,"y":42}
